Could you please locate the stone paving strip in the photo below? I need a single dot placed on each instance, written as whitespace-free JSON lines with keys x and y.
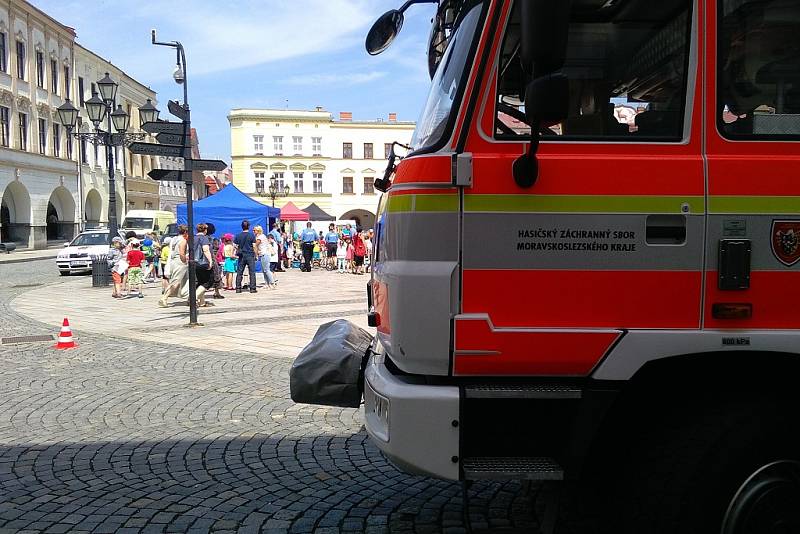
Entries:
{"x":142,"y":433}
{"x":284,"y":319}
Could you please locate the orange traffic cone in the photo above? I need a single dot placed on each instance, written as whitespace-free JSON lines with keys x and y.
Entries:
{"x":65,"y":337}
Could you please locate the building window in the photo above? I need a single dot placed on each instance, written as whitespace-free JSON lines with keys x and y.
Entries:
{"x":316,"y":146}
{"x":277,"y":144}
{"x":317,"y":181}
{"x":297,"y":145}
{"x":298,"y":182}
{"x":96,"y":155}
{"x":40,"y":69}
{"x":54,"y":75}
{"x":387,"y":150}
{"x":67,"y":83}
{"x":347,"y":185}
{"x":369,"y":185}
{"x":42,"y":136}
{"x":69,"y":146}
{"x":258,"y":144}
{"x":20,"y":60}
{"x":3,"y":52}
{"x":148,"y":205}
{"x":347,"y":150}
{"x":278,"y":180}
{"x":259,"y":180}
{"x":367,"y":150}
{"x":23,"y":131}
{"x":84,"y":155}
{"x":5,"y":117}
{"x":56,"y":140}
{"x":80,"y":91}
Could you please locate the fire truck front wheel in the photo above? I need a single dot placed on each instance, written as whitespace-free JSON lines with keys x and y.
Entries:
{"x":700,"y":467}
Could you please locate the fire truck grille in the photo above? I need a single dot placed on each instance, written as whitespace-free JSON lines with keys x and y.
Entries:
{"x":512,"y":468}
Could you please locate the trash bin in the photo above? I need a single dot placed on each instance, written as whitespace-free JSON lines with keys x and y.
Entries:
{"x":101,"y":274}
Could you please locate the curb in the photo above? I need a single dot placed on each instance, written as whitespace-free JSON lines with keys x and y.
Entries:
{"x":23,"y":260}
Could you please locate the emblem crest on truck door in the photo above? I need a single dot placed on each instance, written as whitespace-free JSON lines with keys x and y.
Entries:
{"x":786,"y":241}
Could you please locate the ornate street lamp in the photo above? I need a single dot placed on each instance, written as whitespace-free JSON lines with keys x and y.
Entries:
{"x":275,"y":191}
{"x":102,"y":107}
{"x":148,"y":112}
{"x":108,"y":89}
{"x":68,"y":114}
{"x":120,"y":119}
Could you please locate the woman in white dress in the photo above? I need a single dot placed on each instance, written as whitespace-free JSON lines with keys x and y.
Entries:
{"x":178,"y":266}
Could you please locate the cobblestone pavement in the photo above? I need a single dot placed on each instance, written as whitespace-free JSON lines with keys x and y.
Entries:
{"x":125,"y":436}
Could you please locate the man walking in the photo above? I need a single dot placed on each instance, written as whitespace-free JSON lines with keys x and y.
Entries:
{"x":246,"y":243}
{"x":307,"y":239}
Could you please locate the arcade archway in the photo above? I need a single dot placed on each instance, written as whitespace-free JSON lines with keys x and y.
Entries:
{"x":60,"y":215}
{"x":15,"y":214}
{"x":93,"y":209}
{"x":363,"y":218}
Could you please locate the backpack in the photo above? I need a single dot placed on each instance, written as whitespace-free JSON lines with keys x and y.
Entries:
{"x":200,"y":259}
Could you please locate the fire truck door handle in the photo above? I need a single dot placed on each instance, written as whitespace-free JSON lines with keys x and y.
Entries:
{"x":666,"y":230}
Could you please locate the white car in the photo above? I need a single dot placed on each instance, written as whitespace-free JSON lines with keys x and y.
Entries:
{"x":77,"y":255}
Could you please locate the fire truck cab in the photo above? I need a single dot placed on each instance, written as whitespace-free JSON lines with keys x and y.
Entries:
{"x":587,"y":268}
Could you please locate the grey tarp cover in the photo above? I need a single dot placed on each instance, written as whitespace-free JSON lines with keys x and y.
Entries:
{"x":328,"y":370}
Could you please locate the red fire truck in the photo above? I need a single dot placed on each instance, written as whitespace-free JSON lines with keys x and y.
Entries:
{"x":587,"y":268}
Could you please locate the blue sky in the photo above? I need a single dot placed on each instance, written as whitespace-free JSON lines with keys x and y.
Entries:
{"x":259,"y":53}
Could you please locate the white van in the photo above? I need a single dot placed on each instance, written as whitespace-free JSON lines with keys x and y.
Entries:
{"x":146,"y":221}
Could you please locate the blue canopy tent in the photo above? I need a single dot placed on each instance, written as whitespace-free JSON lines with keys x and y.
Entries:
{"x":227,"y":209}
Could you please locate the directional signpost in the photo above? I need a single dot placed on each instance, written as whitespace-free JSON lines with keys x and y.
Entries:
{"x":169,"y":139}
{"x":163,"y":127}
{"x":207,"y":165}
{"x":180,"y":111}
{"x":174,"y":140}
{"x":154,"y":149}
{"x":166,"y":175}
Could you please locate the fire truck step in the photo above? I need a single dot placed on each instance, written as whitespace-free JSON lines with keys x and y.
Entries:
{"x":512,"y":468}
{"x":522,"y":391}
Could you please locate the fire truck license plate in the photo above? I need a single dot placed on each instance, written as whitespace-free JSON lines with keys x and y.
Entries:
{"x":377,"y":406}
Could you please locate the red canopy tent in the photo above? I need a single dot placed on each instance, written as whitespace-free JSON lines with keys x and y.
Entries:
{"x":290,"y":212}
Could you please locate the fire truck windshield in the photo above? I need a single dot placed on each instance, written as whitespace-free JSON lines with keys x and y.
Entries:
{"x":446,"y":83}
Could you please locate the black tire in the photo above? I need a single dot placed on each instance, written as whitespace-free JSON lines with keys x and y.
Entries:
{"x":678,"y":468}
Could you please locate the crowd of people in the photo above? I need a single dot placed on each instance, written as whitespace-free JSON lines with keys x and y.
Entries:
{"x":221,"y":262}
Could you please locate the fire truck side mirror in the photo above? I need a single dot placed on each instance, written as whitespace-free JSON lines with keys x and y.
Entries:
{"x":546,"y":104}
{"x":383,"y":32}
{"x":547,"y":100}
{"x":543,"y":35}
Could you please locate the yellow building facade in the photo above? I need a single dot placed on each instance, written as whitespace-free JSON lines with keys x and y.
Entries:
{"x":329,"y":162}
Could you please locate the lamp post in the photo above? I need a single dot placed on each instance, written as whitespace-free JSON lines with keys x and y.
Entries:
{"x":274,"y":190}
{"x":101,"y":107}
{"x":179,"y":74}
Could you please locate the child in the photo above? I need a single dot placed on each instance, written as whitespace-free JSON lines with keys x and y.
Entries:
{"x":349,"y":255}
{"x":135,"y":260}
{"x":274,"y":258}
{"x":149,"y":254}
{"x":229,"y":253}
{"x":114,"y":259}
{"x":341,"y":255}
{"x":164,"y":261}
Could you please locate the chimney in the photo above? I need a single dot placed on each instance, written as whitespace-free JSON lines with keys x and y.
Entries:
{"x":345,"y":115}
{"x":392,"y":117}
